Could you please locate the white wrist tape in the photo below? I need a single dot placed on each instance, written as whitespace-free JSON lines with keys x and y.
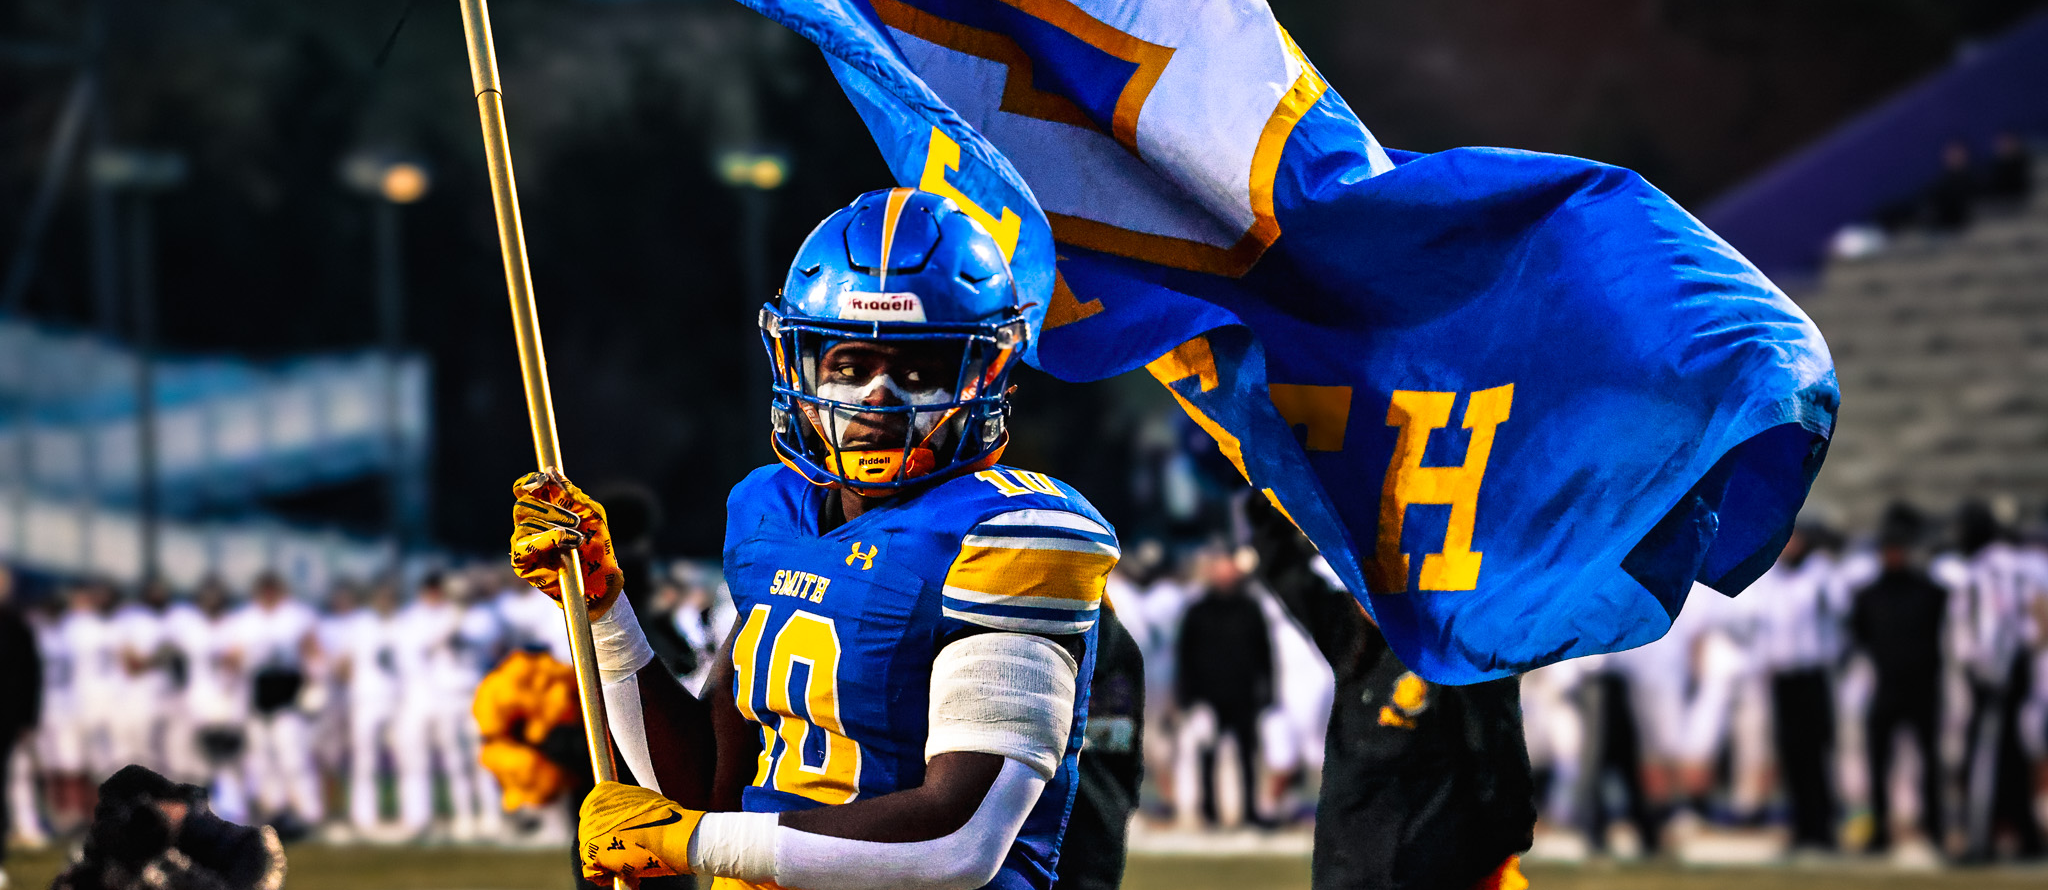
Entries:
{"x":622,"y":648}
{"x":735,"y":845}
{"x":1008,"y":694}
{"x":968,"y":858}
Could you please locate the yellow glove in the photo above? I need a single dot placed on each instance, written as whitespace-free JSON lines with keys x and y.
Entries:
{"x":549,"y":514}
{"x":633,"y":833}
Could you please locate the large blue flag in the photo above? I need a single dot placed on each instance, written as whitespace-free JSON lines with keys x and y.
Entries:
{"x":1521,"y":402}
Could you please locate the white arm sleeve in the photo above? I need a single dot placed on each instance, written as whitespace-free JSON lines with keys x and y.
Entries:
{"x":751,"y":847}
{"x":622,"y":650}
{"x":998,"y":693}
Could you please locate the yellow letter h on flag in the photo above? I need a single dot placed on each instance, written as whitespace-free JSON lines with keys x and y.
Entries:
{"x":1417,"y":414}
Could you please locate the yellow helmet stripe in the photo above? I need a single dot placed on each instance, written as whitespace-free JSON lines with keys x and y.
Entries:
{"x":891,"y":213}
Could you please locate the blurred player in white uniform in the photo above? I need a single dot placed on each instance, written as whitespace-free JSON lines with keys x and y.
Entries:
{"x":1554,"y":731}
{"x":59,"y":742}
{"x":368,"y":665}
{"x":147,"y":695}
{"x":1991,"y":621}
{"x":96,"y":679}
{"x":1291,"y":731}
{"x":1851,"y":569}
{"x":183,"y":759}
{"x":2034,"y":714}
{"x":1719,"y":663}
{"x":532,"y":621}
{"x":1154,"y":622}
{"x":1683,"y":689}
{"x":277,"y":642}
{"x":329,"y":706}
{"x":215,"y":705}
{"x":441,"y":650}
{"x":1656,"y":678}
{"x":1799,"y":613}
{"x":478,"y":646}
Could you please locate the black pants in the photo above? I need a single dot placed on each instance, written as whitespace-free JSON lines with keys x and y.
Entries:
{"x":1613,"y":747}
{"x":1803,"y":730}
{"x":1432,"y":805}
{"x":1917,"y":708}
{"x":7,"y":738}
{"x":1998,"y":791}
{"x":1243,"y":725}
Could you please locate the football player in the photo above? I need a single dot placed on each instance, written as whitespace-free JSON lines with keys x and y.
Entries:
{"x":439,"y":643}
{"x":275,"y":641}
{"x":60,"y":736}
{"x":144,"y":677}
{"x":217,"y":695}
{"x":88,"y":634}
{"x":366,"y":656}
{"x":904,"y":699}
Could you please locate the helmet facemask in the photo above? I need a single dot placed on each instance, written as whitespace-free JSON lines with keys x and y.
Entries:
{"x":874,"y":406}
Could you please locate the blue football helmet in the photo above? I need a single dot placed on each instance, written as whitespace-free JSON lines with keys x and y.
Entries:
{"x":892,"y":345}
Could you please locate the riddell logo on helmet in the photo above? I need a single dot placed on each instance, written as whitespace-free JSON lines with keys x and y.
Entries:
{"x":863,"y":306}
{"x":883,"y":304}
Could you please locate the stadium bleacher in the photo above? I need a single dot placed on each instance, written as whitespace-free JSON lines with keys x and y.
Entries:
{"x":1941,"y":343}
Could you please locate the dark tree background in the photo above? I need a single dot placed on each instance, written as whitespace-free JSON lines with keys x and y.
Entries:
{"x":617,"y":110}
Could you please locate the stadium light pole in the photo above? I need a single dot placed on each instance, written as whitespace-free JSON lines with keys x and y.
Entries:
{"x":754,"y":174}
{"x":533,"y":368}
{"x":390,"y":182}
{"x":143,"y":175}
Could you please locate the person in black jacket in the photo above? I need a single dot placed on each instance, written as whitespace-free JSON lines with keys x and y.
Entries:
{"x":1112,"y":763}
{"x":1897,"y":620}
{"x":1225,"y":659}
{"x":1425,"y":787}
{"x":634,"y":515}
{"x":21,"y":695}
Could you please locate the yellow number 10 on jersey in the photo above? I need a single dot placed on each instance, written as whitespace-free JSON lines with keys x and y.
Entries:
{"x":1020,"y":482}
{"x":812,"y":641}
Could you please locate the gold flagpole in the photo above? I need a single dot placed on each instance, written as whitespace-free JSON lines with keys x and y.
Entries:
{"x":533,"y":364}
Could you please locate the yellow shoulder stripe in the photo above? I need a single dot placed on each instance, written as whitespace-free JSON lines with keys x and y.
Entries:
{"x":1071,"y":575}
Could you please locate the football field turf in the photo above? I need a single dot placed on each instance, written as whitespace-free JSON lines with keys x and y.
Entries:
{"x":335,"y":868}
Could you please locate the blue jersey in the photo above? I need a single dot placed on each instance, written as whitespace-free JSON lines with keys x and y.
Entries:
{"x":837,"y":631}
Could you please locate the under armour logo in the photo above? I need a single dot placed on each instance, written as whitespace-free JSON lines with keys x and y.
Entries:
{"x":867,"y":559}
